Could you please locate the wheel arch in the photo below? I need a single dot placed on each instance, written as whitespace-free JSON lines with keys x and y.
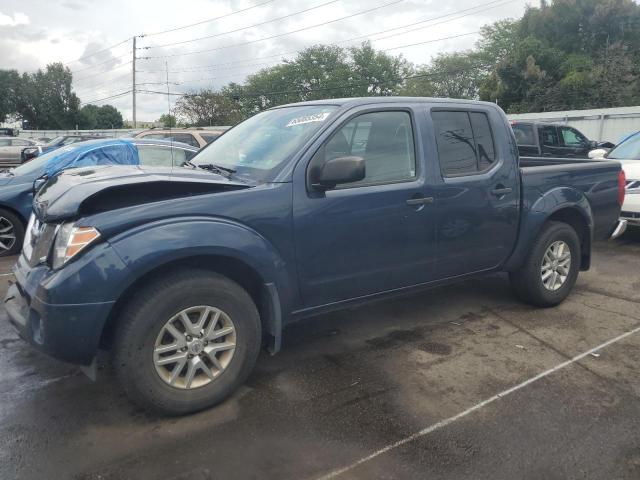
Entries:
{"x":263,"y":293}
{"x":564,"y":204}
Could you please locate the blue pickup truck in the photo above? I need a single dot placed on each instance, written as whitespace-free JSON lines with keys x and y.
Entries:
{"x":185,"y":273}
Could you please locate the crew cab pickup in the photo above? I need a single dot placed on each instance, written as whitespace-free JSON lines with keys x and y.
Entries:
{"x":183,"y":274}
{"x":552,"y":140}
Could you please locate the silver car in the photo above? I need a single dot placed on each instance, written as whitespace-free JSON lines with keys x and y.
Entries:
{"x":10,"y":148}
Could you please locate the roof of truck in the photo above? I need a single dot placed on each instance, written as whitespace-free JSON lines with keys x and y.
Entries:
{"x":352,"y":102}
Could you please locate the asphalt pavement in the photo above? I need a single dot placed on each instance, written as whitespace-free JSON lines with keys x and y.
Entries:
{"x":454,"y":383}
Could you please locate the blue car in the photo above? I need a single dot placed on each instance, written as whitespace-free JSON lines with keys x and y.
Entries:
{"x":18,"y":184}
{"x":58,"y":142}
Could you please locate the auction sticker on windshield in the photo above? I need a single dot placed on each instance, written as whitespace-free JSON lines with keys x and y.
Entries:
{"x":318,"y":117}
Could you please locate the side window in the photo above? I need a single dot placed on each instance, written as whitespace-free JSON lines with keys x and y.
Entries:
{"x":524,"y":134}
{"x":465,"y":142}
{"x":549,"y":136}
{"x":383,"y":139}
{"x":155,"y":156}
{"x":209,"y":137}
{"x":483,"y":139}
{"x":572,"y":138}
{"x":5,"y":142}
{"x":184,"y":138}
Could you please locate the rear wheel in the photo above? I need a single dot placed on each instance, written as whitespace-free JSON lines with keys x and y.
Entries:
{"x":552,"y":267}
{"x":186,"y":342}
{"x":11,"y":233}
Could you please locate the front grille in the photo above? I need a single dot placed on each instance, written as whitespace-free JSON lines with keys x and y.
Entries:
{"x":632,"y":185}
{"x":624,"y":214}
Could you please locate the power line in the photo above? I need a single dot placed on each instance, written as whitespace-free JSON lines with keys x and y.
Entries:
{"x":101,"y":63}
{"x":205,"y":21}
{"x":107,"y":98}
{"x":394,"y":2}
{"x":101,"y":73}
{"x":98,"y":52}
{"x":243,"y":28}
{"x":488,"y":5}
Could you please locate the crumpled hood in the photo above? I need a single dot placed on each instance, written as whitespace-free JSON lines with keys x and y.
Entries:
{"x":95,"y":189}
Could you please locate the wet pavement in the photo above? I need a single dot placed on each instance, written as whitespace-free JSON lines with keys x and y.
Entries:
{"x":353,"y":395}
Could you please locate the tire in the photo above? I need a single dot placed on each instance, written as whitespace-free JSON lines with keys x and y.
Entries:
{"x":10,"y":223}
{"x":528,"y":280}
{"x":138,"y":334}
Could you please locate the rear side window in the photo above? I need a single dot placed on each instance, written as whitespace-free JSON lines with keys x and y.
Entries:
{"x":549,"y":136}
{"x":184,"y":138}
{"x":524,"y":134}
{"x":465,"y":142}
{"x":156,"y":156}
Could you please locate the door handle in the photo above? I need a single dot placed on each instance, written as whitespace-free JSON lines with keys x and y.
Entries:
{"x":420,"y":201}
{"x":501,"y":191}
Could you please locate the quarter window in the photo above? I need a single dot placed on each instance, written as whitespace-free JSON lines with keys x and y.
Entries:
{"x":465,"y":142}
{"x":383,"y":139}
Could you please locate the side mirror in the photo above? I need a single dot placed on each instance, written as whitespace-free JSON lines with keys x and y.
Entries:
{"x":340,"y":170}
{"x":598,"y":154}
{"x":38,"y":183}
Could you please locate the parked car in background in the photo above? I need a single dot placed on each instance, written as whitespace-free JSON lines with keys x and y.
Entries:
{"x":537,"y":139}
{"x":628,"y":154}
{"x":299,"y":210}
{"x":11,"y":149}
{"x":8,"y":132}
{"x":17,"y":185}
{"x":199,"y":137}
{"x":32,"y":152}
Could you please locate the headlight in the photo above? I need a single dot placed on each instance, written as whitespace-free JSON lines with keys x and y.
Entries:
{"x":70,"y":241}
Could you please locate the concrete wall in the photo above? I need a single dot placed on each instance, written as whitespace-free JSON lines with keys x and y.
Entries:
{"x":606,"y":124}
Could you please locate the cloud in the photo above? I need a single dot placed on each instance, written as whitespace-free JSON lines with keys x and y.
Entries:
{"x":17,"y":19}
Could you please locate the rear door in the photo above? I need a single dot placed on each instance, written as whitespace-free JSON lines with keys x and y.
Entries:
{"x":477,"y":197}
{"x":369,"y":236}
{"x":550,"y":144}
{"x":526,"y":139}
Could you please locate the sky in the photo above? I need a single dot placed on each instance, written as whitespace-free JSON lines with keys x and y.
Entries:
{"x":243,"y":37}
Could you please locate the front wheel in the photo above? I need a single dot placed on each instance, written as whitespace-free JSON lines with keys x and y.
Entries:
{"x":551,"y":269}
{"x":11,"y":233}
{"x":186,"y":342}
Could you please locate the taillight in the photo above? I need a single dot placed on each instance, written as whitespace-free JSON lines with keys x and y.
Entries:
{"x":622,"y":183}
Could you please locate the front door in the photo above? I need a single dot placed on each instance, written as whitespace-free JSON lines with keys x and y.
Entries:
{"x":574,"y":143}
{"x":373,"y":235}
{"x":478,"y":193}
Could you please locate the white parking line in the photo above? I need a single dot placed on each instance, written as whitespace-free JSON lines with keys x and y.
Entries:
{"x":477,"y":406}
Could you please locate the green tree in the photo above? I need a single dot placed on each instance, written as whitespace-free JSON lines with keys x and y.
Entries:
{"x":167,"y":120}
{"x":9,"y":88}
{"x":108,"y":116}
{"x":46,"y":100}
{"x":207,"y":108}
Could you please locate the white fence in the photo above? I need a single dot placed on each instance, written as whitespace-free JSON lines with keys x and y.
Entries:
{"x":605,"y":124}
{"x":56,"y":133}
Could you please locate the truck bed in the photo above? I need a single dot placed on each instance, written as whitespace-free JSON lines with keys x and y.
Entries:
{"x":597,"y":179}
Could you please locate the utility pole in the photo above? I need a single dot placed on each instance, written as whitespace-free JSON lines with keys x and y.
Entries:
{"x":133,"y":76}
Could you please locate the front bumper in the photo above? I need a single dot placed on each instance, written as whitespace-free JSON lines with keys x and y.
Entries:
{"x":632,"y":218}
{"x":69,"y":332}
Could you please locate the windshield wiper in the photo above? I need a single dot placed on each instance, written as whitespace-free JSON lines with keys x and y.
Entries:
{"x":224,"y":171}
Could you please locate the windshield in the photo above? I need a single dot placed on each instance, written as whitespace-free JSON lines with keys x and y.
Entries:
{"x":54,"y":142}
{"x":258,"y":147}
{"x":627,"y":150}
{"x":38,"y":162}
